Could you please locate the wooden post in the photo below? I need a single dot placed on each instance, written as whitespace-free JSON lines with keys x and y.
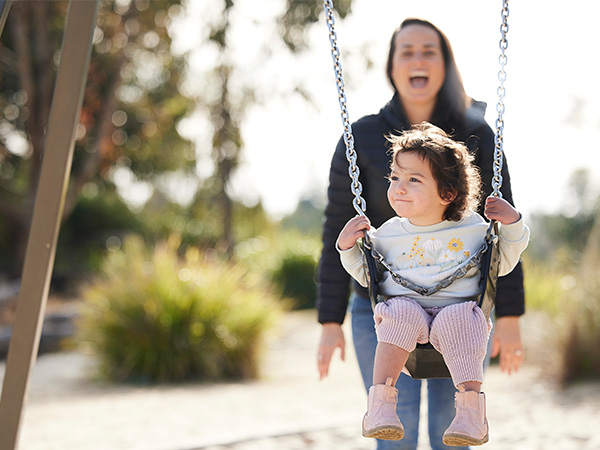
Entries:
{"x":47,"y":212}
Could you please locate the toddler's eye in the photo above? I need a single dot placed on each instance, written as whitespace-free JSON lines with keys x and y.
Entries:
{"x":414,"y":180}
{"x":392,"y":178}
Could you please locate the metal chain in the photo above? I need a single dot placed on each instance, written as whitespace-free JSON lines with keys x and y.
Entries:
{"x":359,"y":203}
{"x":474,"y":261}
{"x":499,"y":138}
{"x":354,"y":172}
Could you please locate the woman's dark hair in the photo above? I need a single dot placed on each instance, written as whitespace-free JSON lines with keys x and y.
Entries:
{"x":452,"y":101}
{"x":451,"y":164}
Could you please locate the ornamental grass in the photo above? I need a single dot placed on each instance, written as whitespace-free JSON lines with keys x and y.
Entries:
{"x":581,"y":358}
{"x":154,"y":315}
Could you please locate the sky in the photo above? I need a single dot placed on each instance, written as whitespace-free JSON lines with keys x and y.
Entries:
{"x":552,"y":103}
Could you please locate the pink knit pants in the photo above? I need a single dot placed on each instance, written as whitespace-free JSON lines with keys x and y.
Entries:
{"x":460,"y":332}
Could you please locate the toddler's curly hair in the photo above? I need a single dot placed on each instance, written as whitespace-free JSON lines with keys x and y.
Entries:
{"x":451,"y":165}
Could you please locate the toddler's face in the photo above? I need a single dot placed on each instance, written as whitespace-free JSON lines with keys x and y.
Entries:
{"x":413,"y":191}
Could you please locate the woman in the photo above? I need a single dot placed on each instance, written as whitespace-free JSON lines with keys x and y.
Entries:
{"x":427,"y":87}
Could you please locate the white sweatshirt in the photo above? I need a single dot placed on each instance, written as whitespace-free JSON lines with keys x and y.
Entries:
{"x":426,"y":255}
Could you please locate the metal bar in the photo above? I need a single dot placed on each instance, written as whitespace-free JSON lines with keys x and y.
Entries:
{"x":4,"y":8}
{"x":41,"y":247}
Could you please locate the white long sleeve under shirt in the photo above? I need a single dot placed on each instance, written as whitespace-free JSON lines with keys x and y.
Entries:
{"x":426,"y":255}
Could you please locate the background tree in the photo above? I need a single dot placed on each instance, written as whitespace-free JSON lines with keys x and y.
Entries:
{"x":129,"y":140}
{"x":562,"y":237}
{"x":128,"y":121}
{"x":233,"y":85}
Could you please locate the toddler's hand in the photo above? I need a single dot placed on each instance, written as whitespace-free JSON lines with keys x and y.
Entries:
{"x":353,"y":230}
{"x":498,"y":209}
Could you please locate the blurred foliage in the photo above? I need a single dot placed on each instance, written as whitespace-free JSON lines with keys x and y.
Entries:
{"x":226,"y":113}
{"x":168,"y":312}
{"x":562,"y":281}
{"x":200,"y":224}
{"x":581,"y":359}
{"x":288,"y":259}
{"x":300,"y":13}
{"x":545,"y":286}
{"x":128,"y":135}
{"x":99,"y":220}
{"x":581,"y":335}
{"x":156,"y":315}
{"x":129,"y":117}
{"x":133,"y":70}
{"x":296,"y":279}
{"x":102,"y":219}
{"x":236,"y":93}
{"x":308,"y":218}
{"x":561,"y":238}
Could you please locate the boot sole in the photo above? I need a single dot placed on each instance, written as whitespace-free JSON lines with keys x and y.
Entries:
{"x":386,"y":433}
{"x":461,"y":440}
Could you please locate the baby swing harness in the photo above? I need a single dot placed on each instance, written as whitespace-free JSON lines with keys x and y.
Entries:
{"x":425,"y":361}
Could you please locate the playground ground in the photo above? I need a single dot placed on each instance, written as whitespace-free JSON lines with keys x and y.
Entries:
{"x":287,"y":408}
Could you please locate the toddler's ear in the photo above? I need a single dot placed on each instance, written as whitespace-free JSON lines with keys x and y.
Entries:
{"x":448,"y":196}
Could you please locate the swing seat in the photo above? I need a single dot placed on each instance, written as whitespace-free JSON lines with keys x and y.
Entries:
{"x":425,"y":361}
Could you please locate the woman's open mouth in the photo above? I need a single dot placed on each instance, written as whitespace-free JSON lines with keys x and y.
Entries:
{"x":419,"y":81}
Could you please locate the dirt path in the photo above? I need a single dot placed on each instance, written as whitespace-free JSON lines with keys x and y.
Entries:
{"x":288,"y":408}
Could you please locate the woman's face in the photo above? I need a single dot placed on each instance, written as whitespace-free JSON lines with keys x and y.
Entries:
{"x":418,"y":68}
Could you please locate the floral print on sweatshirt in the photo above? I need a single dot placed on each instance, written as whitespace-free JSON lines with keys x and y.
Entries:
{"x":432,"y":252}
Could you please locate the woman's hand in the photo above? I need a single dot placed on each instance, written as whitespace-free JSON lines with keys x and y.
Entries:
{"x":507,"y":343}
{"x":498,"y":209}
{"x":332,"y":337}
{"x":353,"y":230}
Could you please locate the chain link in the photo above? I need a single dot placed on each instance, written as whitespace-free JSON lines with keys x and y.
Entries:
{"x":499,"y":138}
{"x":359,"y":203}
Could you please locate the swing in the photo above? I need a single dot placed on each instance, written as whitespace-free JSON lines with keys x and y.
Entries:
{"x":425,"y":361}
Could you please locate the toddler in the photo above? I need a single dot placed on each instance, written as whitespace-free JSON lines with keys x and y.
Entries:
{"x":434,"y":190}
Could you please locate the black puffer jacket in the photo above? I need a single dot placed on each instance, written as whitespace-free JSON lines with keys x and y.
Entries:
{"x":374,"y":161}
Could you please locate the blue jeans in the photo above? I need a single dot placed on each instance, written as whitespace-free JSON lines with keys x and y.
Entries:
{"x":440,"y":392}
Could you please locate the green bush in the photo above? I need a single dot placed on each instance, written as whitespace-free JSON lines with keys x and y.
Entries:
{"x":289,"y":259}
{"x":83,"y":236}
{"x":157,"y":316}
{"x":544,"y":286}
{"x":571,"y":319}
{"x":581,"y":359}
{"x":296,"y":278}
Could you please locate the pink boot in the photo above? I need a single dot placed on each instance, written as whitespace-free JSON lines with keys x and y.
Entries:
{"x":381,"y":420}
{"x":469,"y":426}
